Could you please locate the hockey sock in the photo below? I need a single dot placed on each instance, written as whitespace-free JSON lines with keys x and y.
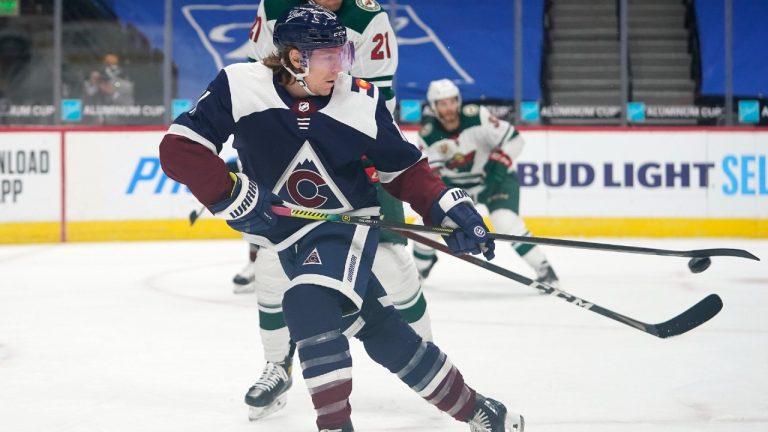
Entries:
{"x":393,"y":344}
{"x":275,"y":336}
{"x":535,"y":258}
{"x":508,"y":222}
{"x":313,"y":314}
{"x":414,"y":312}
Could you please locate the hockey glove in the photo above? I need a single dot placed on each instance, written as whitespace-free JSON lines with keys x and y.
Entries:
{"x":454,"y":209}
{"x":498,"y":167}
{"x":248,"y":209}
{"x":496,"y":171}
{"x":485,"y":195}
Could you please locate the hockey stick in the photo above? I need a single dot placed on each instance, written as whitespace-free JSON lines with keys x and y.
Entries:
{"x":194,"y":215}
{"x":697,"y":315}
{"x":364,"y":220}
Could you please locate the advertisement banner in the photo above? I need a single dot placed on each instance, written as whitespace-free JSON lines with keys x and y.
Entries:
{"x":30,"y":177}
{"x":117,"y":176}
{"x":644,"y":174}
{"x":600,"y":182}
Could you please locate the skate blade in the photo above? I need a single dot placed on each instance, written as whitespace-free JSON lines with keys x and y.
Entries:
{"x":256,"y":413}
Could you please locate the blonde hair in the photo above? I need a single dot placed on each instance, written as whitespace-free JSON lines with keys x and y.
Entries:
{"x":275,"y":62}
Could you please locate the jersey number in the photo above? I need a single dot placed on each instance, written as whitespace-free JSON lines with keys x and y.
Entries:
{"x":255,"y":30}
{"x":378,"y":53}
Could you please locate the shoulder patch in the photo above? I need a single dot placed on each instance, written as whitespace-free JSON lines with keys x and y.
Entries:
{"x":368,"y":5}
{"x":426,"y":129}
{"x":362,"y":86}
{"x":470,"y":110}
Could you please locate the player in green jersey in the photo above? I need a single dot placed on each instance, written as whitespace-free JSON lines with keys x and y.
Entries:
{"x":476,"y":151}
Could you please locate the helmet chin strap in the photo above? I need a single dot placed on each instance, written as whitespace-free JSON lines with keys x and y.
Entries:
{"x":300,"y":78}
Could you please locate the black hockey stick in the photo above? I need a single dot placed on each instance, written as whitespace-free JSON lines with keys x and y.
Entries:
{"x":364,"y":220}
{"x":697,"y":315}
{"x":195,"y":214}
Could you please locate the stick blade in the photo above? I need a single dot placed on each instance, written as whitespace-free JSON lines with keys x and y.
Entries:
{"x":193,"y":217}
{"x":697,"y":315}
{"x":738,"y":253}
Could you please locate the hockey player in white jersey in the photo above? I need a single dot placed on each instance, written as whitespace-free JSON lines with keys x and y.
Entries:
{"x":474,"y":150}
{"x":368,"y":29}
{"x":301,"y":128}
{"x":371,"y":34}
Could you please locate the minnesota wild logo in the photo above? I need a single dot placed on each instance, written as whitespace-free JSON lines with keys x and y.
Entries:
{"x":369,"y":5}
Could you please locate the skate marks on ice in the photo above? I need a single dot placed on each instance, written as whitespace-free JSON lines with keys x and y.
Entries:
{"x":209,"y":283}
{"x":167,"y":327}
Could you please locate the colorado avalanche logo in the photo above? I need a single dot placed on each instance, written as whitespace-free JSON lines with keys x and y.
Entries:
{"x":306,"y":183}
{"x":304,"y":187}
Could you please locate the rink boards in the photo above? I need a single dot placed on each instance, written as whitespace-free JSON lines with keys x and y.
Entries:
{"x":106,"y":184}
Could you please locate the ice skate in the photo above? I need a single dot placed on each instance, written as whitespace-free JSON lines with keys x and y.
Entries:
{"x":269,"y":393}
{"x":492,"y":416}
{"x":245,"y":281}
{"x":546,"y":275}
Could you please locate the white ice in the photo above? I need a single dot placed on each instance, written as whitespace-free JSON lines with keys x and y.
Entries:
{"x":148,"y":337}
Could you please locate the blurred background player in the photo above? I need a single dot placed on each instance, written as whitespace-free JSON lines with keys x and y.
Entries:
{"x":471,"y":149}
{"x":369,"y":30}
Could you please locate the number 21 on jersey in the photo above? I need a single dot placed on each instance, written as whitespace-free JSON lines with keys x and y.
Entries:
{"x":381,"y":50}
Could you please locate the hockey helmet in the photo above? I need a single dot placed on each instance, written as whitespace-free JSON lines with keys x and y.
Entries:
{"x":442,"y":89}
{"x":311,"y":27}
{"x":308,"y":27}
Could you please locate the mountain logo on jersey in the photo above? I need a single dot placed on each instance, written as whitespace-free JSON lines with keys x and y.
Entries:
{"x":313,"y":258}
{"x":306,"y":183}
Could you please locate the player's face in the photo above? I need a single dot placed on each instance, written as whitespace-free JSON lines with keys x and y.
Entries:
{"x":325,"y":64}
{"x":332,"y":5}
{"x":448,"y":109}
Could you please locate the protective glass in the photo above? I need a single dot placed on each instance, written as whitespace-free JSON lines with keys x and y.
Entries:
{"x":339,"y":58}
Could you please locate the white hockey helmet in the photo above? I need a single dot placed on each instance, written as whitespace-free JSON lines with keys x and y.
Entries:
{"x":442,"y":89}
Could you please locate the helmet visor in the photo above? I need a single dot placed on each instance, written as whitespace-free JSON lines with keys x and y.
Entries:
{"x":338,"y":59}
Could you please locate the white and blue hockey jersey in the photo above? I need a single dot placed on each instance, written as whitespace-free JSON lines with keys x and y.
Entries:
{"x":307,"y":151}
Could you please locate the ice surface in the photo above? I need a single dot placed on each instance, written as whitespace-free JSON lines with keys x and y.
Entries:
{"x":148,"y":337}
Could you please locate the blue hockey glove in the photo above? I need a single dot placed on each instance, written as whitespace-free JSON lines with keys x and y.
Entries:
{"x":248,"y":209}
{"x":454,"y":209}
